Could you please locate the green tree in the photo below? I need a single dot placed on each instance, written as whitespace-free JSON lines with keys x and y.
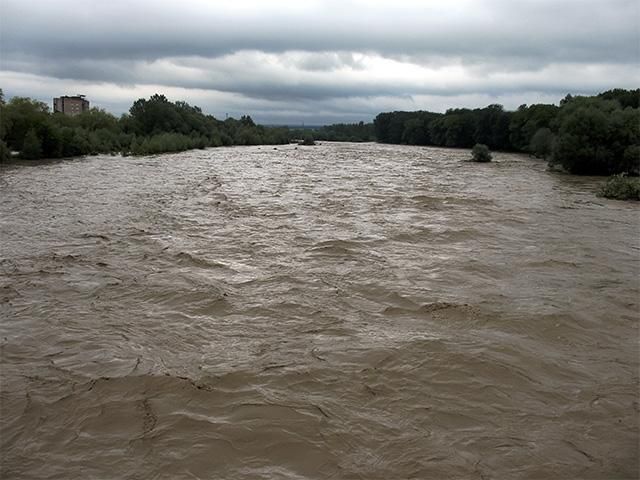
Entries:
{"x":626,"y":98}
{"x":631,"y":160}
{"x":415,"y":132}
{"x":526,"y":121}
{"x":593,"y":136}
{"x":19,"y":116}
{"x":491,"y":127}
{"x":31,"y":146}
{"x":460,"y":128}
{"x":96,"y":118}
{"x":541,"y":143}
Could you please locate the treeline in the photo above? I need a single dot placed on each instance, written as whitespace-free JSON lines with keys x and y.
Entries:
{"x":153,"y":125}
{"x":598,"y":135}
{"x":338,"y":132}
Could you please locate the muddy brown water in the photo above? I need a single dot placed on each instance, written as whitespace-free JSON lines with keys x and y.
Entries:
{"x":343,"y":311}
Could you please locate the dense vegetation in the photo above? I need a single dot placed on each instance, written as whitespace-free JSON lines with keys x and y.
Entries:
{"x":621,"y":187}
{"x":152,"y":126}
{"x":480,"y":153}
{"x":597,"y":135}
{"x":339,"y":132}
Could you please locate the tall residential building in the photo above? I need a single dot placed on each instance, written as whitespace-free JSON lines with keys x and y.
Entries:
{"x":70,"y":105}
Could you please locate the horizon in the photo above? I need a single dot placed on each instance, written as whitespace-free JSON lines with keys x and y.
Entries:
{"x":319,"y":63}
{"x":302,"y":125}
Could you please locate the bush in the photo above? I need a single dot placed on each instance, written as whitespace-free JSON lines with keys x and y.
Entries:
{"x":307,"y":140}
{"x":621,"y":187}
{"x":481,"y":153}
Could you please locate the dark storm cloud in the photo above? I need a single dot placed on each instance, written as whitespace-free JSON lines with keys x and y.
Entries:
{"x":309,"y":53}
{"x":585,"y":30}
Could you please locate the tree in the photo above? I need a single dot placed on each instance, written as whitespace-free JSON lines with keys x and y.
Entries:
{"x":415,"y":132}
{"x":626,"y":98}
{"x":155,"y":115}
{"x":247,"y":121}
{"x":492,"y":125}
{"x":631,"y":160}
{"x":593,"y":136}
{"x":460,"y":127}
{"x":31,"y":146}
{"x":19,"y":116}
{"x":526,"y":121}
{"x":541,"y":143}
{"x":97,"y":118}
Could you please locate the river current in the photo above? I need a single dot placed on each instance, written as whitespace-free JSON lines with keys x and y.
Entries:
{"x":345,"y":311}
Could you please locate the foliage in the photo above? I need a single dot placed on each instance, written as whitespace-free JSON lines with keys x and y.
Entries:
{"x":166,"y":142}
{"x":480,"y":153}
{"x":307,"y":140}
{"x":153,"y":125}
{"x":597,"y":135}
{"x":626,"y":98}
{"x":631,"y":160}
{"x":527,"y":121}
{"x":21,"y":115}
{"x":541,"y":143}
{"x":389,"y":127}
{"x":338,"y":132}
{"x":31,"y":146}
{"x":621,"y":187}
{"x":345,"y":132}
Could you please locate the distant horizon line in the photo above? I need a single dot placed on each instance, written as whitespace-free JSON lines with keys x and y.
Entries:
{"x":314,"y":124}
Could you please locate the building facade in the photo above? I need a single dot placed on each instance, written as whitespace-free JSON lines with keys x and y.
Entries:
{"x":70,"y":105}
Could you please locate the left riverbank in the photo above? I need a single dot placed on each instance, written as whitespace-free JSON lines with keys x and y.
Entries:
{"x":152,"y":126}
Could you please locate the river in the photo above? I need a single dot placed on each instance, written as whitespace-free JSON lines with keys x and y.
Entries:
{"x":346,"y":311}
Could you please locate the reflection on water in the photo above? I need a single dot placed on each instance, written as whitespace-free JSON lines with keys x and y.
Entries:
{"x":341,"y":311}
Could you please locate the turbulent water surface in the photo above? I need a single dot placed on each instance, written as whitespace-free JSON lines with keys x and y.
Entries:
{"x":341,"y":311}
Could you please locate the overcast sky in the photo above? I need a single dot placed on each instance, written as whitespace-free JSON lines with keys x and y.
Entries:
{"x":318,"y":61}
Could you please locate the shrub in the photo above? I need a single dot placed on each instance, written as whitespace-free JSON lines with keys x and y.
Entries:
{"x":481,"y":153}
{"x":307,"y":140}
{"x":621,"y":187}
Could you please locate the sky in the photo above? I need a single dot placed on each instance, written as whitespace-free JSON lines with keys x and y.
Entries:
{"x":317,"y":62}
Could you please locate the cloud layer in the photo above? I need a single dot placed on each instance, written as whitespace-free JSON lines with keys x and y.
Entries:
{"x":318,"y":61}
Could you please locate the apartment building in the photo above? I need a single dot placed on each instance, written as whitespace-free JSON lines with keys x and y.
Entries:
{"x":70,"y":105}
